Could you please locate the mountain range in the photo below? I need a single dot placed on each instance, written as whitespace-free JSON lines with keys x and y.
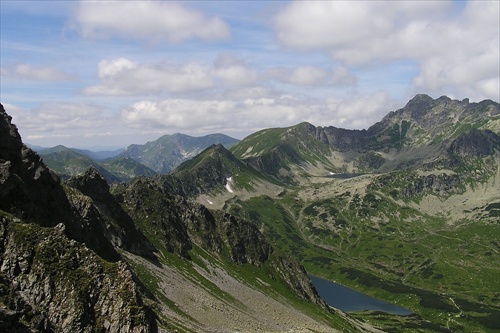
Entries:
{"x":407,"y":210}
{"x":159,"y":156}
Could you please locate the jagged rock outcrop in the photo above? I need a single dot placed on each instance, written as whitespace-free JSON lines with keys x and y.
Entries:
{"x":53,"y":284}
{"x":117,"y":224}
{"x":28,"y":189}
{"x":33,"y":193}
{"x":244,"y":241}
{"x":369,"y":161}
{"x":339,"y":138}
{"x":441,"y":185}
{"x":295,"y":276}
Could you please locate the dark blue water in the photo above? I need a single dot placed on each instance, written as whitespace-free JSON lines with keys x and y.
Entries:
{"x":349,"y":300}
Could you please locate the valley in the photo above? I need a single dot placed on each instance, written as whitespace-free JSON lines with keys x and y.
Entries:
{"x":407,"y":211}
{"x":423,"y":236}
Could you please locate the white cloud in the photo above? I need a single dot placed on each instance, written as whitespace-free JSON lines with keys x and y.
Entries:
{"x":28,"y":72}
{"x":146,"y":20}
{"x":357,"y":111}
{"x":454,"y":49}
{"x":236,"y":75}
{"x":233,"y":70}
{"x":124,"y":77}
{"x":307,"y":75}
{"x":361,"y":31}
{"x":313,"y":76}
{"x":342,"y":77}
{"x":207,"y":116}
{"x":179,"y":114}
{"x":58,"y":116}
{"x":107,"y":68}
{"x":245,"y":115}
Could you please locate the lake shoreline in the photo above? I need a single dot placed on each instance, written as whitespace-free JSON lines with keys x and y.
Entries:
{"x":350,"y":300}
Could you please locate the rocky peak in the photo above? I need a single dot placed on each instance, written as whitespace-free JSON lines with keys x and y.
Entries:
{"x":10,"y":140}
{"x":206,"y":171}
{"x":419,"y":102}
{"x":91,"y":183}
{"x":29,"y":190}
{"x":116,"y":224}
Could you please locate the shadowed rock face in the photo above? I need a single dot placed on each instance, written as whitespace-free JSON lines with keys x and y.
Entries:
{"x":117,"y":225}
{"x":53,"y":284}
{"x":33,"y":193}
{"x":183,"y":224}
{"x":29,"y":190}
{"x":51,"y":280}
{"x":475,"y":143}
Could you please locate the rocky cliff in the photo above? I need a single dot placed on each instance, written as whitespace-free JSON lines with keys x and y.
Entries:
{"x":52,"y":245}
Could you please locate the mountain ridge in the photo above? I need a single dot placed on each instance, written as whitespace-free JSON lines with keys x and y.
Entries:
{"x":402,"y":138}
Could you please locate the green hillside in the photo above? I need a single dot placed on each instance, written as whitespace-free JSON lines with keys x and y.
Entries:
{"x":69,"y":162}
{"x":420,"y":232}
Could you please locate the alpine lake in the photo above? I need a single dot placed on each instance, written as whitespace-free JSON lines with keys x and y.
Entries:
{"x":349,"y":300}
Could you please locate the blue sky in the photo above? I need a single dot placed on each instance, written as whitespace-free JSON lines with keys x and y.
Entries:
{"x":113,"y":73}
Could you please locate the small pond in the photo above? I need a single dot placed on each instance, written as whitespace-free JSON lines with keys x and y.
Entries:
{"x":349,"y":300}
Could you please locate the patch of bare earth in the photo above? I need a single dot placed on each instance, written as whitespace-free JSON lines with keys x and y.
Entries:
{"x":246,"y":310}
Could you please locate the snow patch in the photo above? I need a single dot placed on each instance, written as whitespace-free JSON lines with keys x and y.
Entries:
{"x":246,"y":154}
{"x":228,"y":185}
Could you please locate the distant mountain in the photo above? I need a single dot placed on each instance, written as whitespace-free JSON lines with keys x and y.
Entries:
{"x":99,"y":155}
{"x":169,"y":151}
{"x":66,"y":162}
{"x":161,"y":155}
{"x":35,"y":147}
{"x":126,"y":168}
{"x":96,"y":155}
{"x":69,"y":162}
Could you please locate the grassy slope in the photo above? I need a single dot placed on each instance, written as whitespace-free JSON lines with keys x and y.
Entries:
{"x":200,"y":280}
{"x":364,"y":238}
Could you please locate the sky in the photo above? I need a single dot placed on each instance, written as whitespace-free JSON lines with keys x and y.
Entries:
{"x":102,"y":74}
